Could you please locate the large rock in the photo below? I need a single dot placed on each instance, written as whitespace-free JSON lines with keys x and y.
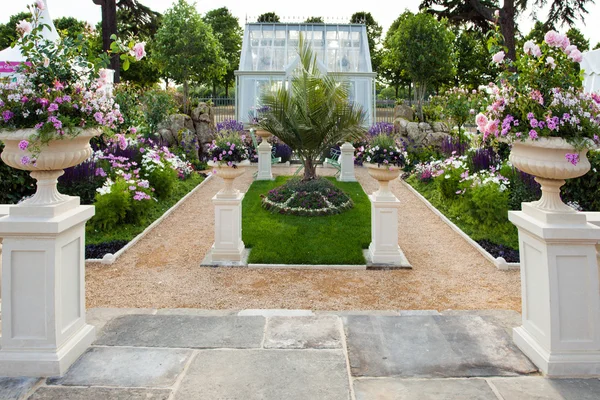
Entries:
{"x":415,"y":134}
{"x":402,"y":111}
{"x":435,"y":139}
{"x":400,"y":125}
{"x":425,"y":127}
{"x":204,"y":122}
{"x":440,"y":127}
{"x":176,"y":123}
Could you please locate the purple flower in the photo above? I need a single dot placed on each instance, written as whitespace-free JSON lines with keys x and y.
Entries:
{"x":25,"y":160}
{"x":533,"y":134}
{"x":573,"y":158}
{"x":23,"y":145}
{"x":24,"y":99}
{"x":100,"y":172}
{"x":38,"y":126}
{"x":7,"y":115}
{"x":52,"y":107}
{"x":533,"y":122}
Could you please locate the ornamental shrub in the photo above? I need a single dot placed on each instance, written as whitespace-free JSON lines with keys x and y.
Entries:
{"x":14,"y":183}
{"x":162,"y":180}
{"x":111,"y":207}
{"x":585,"y":191}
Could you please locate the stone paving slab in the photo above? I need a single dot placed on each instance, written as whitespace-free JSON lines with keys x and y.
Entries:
{"x":96,"y":393}
{"x":275,"y":313}
{"x":184,"y":331}
{"x":16,"y":388}
{"x":195,"y":311}
{"x":266,"y":375}
{"x":317,"y":332}
{"x":507,"y":319}
{"x":99,"y":317}
{"x":431,"y":347}
{"x":430,"y":389}
{"x":546,"y":389}
{"x":125,"y":367}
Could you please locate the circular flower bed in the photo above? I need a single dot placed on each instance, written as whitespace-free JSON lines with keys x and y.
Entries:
{"x":313,"y":198}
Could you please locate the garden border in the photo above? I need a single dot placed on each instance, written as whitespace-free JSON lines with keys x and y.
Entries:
{"x":110,"y":258}
{"x":499,"y":262}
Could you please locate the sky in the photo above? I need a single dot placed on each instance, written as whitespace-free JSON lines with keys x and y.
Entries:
{"x":384,"y":11}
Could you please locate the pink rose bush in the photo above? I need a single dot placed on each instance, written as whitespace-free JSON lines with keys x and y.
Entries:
{"x":541,"y":95}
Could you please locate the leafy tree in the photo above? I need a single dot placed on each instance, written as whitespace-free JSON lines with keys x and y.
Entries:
{"x":423,"y":47}
{"x":268,"y":17}
{"x":482,"y":13}
{"x":373,"y":35}
{"x":576,"y":37}
{"x":315,"y":20}
{"x":186,"y":48}
{"x":70,"y":27}
{"x":8,"y":31}
{"x":228,"y":32}
{"x":472,"y":59}
{"x":313,"y":113}
{"x":391,"y":71}
{"x":597,"y":46}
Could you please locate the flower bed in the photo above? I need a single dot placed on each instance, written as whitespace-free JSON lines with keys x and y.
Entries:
{"x":313,"y":198}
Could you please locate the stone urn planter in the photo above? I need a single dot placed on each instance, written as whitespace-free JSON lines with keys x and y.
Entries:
{"x":50,"y":162}
{"x":228,"y":174}
{"x":263,"y":134}
{"x":545,"y":159}
{"x":383,"y":175}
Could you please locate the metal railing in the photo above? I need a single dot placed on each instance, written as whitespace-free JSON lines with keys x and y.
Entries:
{"x":223,"y":107}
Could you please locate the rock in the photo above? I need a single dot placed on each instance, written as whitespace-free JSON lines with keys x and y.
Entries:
{"x":400,"y":125}
{"x":402,"y":111}
{"x":425,"y":127}
{"x":204,"y":123}
{"x":435,"y":139}
{"x":414,"y":133}
{"x":202,"y":109}
{"x":440,"y":127}
{"x":167,"y":136}
{"x":176,"y":123}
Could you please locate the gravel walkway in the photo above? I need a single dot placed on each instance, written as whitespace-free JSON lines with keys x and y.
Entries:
{"x":162,"y":270}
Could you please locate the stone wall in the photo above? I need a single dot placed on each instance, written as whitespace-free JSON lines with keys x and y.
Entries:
{"x":201,"y":124}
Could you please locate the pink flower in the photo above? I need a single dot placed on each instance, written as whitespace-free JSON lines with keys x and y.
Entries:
{"x":23,"y":27}
{"x":537,"y":52}
{"x":553,"y":38}
{"x":533,"y":134}
{"x":46,"y":62}
{"x":139,"y":50}
{"x":570,"y":48}
{"x":492,"y":127}
{"x":550,"y":62}
{"x":565,"y":42}
{"x":497,"y":13}
{"x":573,"y":158}
{"x":481,"y":121}
{"x":25,"y":160}
{"x":528,"y":47}
{"x":576,"y":56}
{"x":498,"y":57}
{"x":23,"y":144}
{"x":40,"y":4}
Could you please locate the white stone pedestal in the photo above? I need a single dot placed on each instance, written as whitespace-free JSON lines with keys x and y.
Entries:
{"x":560,"y":292}
{"x":228,"y":244}
{"x":43,"y":287}
{"x":264,"y":161}
{"x":384,"y":247}
{"x":347,"y":163}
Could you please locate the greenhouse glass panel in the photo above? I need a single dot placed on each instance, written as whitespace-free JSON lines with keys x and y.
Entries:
{"x":270,"y":57}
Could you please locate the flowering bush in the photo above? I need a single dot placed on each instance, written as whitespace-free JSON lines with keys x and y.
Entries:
{"x":384,"y":150}
{"x":57,"y":90}
{"x":229,"y":145}
{"x":460,"y":105}
{"x":543,"y":97}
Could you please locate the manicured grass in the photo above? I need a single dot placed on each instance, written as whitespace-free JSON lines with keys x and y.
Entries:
{"x":504,"y":234}
{"x":290,"y":239}
{"x":129,"y":231}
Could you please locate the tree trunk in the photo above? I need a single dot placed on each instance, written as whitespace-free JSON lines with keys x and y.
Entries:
{"x":409,"y":93}
{"x":214,"y":89}
{"x":109,"y":27}
{"x":186,"y":94}
{"x":310,"y":169}
{"x":507,"y":27}
{"x":226,"y":87}
{"x":397,"y":86}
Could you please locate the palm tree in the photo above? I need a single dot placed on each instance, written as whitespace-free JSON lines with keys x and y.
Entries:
{"x":313,"y":113}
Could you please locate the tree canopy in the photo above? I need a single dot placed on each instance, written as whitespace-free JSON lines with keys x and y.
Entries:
{"x":315,"y":20}
{"x":268,"y":17}
{"x":8,"y":31}
{"x":186,"y":49}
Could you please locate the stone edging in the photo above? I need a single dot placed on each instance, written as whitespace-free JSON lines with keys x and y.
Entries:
{"x":499,"y":262}
{"x":111,"y":258}
{"x":308,"y":266}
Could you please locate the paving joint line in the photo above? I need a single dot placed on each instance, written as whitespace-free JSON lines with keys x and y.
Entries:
{"x":177,"y":384}
{"x":346,"y":357}
{"x":494,"y":389}
{"x":264,"y":337}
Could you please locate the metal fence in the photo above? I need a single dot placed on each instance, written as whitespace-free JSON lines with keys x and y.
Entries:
{"x":223,"y":107}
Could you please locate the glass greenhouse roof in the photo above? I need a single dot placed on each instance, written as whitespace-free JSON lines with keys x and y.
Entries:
{"x":274,"y":47}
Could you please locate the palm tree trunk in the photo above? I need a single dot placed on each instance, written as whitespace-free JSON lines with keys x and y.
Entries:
{"x":310,"y":169}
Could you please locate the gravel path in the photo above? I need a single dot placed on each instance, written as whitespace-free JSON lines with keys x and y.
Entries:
{"x":162,"y":270}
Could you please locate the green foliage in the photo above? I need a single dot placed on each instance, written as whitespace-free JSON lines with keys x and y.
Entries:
{"x":458,"y":106}
{"x":112,"y":208}
{"x":423,"y":46}
{"x":312,"y":114}
{"x":157,"y":105}
{"x":70,"y":27}
{"x":576,"y":37}
{"x":186,"y":48}
{"x":597,"y":46}
{"x":585,"y":190}
{"x":14,"y":183}
{"x":290,"y":239}
{"x":373,"y":36}
{"x":314,"y":20}
{"x":472,"y":59}
{"x":228,"y":32}
{"x":391,"y":70}
{"x":163,"y":181}
{"x":268,"y":17}
{"x":8,"y":31}
{"x":448,"y":183}
{"x":127,"y":97}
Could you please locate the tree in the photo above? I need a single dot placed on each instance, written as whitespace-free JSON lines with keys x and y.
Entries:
{"x":8,"y":31}
{"x":390,"y":70}
{"x":268,"y":17}
{"x":315,"y":20}
{"x":482,"y":13}
{"x":186,"y":48}
{"x":373,"y":35}
{"x":423,"y":46}
{"x":313,"y":113}
{"x":70,"y":27}
{"x":472,"y":60}
{"x":597,"y":46}
{"x":228,"y":32}
{"x":576,"y":37}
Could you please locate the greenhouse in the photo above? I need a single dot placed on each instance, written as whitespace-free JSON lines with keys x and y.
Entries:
{"x":270,"y":56}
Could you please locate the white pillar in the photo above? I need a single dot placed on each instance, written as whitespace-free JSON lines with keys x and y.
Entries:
{"x":264,"y":161}
{"x":560,"y":292}
{"x":43,"y":287}
{"x":228,"y":244}
{"x":347,"y":163}
{"x":384,"y":247}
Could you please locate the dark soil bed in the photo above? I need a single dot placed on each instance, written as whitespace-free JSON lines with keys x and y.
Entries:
{"x":498,"y":250}
{"x":100,"y":249}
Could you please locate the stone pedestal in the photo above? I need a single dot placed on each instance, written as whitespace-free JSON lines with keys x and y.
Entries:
{"x":43,"y":287}
{"x":347,"y":163}
{"x":264,"y":161}
{"x":228,"y":244}
{"x":384,"y":247}
{"x":560,"y":292}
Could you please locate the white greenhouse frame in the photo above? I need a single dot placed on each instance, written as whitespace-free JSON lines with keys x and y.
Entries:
{"x":270,"y":56}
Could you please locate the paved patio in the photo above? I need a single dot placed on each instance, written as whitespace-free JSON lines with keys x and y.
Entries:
{"x":184,"y":354}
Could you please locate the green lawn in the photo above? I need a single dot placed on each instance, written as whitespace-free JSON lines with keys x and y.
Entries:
{"x":129,"y":231}
{"x":289,"y":239}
